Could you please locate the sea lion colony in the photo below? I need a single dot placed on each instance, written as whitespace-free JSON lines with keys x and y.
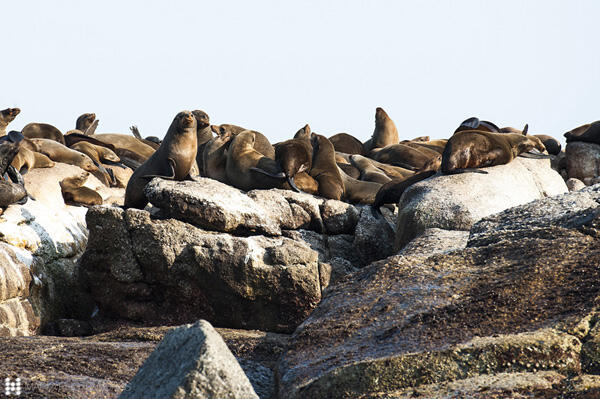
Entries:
{"x":340,"y":167}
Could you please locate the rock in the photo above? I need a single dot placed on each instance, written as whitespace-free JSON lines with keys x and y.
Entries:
{"x":72,"y":328}
{"x":514,"y":301}
{"x":434,"y":241}
{"x":583,"y":160}
{"x":456,"y":202}
{"x":169,"y":272}
{"x":339,"y":217}
{"x":215,"y":206}
{"x":190,"y":362}
{"x":574,"y":184}
{"x":373,"y":237}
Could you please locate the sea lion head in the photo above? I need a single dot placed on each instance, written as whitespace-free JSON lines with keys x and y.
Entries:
{"x":184,"y":120}
{"x":86,"y":163}
{"x":293,"y":156}
{"x":9,"y":114}
{"x":202,"y":119}
{"x":84,"y":121}
{"x":303,"y":133}
{"x":244,"y":140}
{"x":380,"y":115}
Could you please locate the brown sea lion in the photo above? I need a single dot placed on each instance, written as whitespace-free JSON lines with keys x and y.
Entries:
{"x":97,"y":153}
{"x":324,"y":168}
{"x":11,"y":193}
{"x":294,"y":156}
{"x":25,"y":160}
{"x":428,"y":150}
{"x":401,"y":155}
{"x":247,"y":168}
{"x":85,"y":123}
{"x":43,"y":131}
{"x":552,"y":145}
{"x":75,"y":137}
{"x":358,"y":191}
{"x":346,"y":143}
{"x":204,"y":134}
{"x":349,"y":169}
{"x":305,"y":183}
{"x":588,"y":133}
{"x":74,"y":192}
{"x":303,"y":133}
{"x":136,"y":133}
{"x":261,"y":143}
{"x":391,"y":192}
{"x":470,"y":149}
{"x":123,"y":141}
{"x":173,"y":160}
{"x":393,"y":172}
{"x":474,"y":123}
{"x":421,"y":139}
{"x":368,"y":172}
{"x":214,"y":157}
{"x":7,"y":116}
{"x":385,"y":132}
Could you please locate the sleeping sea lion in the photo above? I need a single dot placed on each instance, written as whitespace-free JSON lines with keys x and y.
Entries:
{"x":349,"y":169}
{"x":261,"y":143}
{"x":401,"y":155}
{"x":358,"y":191}
{"x":588,"y":133}
{"x":368,"y":172}
{"x":25,"y":160}
{"x":247,"y":168}
{"x":97,"y":153}
{"x":470,"y":149}
{"x":204,"y":135}
{"x":552,"y":145}
{"x":324,"y":168}
{"x":294,"y":156}
{"x":346,"y":143}
{"x":74,"y":192}
{"x":43,"y":131}
{"x":385,"y":132}
{"x":7,"y":116}
{"x":474,"y":123}
{"x":173,"y":160}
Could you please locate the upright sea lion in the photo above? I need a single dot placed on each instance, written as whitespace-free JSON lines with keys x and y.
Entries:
{"x":84,"y":123}
{"x":173,"y":159}
{"x":369,"y":172}
{"x":324,"y":168}
{"x":25,"y":160}
{"x":391,"y":192}
{"x":7,"y":116}
{"x":247,"y":168}
{"x":588,"y":133}
{"x":344,"y":142}
{"x":204,"y":135}
{"x":385,"y":132}
{"x":294,"y":156}
{"x":74,"y":192}
{"x":358,"y":191}
{"x":43,"y":131}
{"x":303,"y":133}
{"x":401,"y":155}
{"x":261,"y":143}
{"x":471,"y":149}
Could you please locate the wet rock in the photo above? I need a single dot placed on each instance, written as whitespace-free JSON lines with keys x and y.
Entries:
{"x":583,"y":160}
{"x":169,"y":272}
{"x":511,"y":302}
{"x":191,"y":361}
{"x":456,"y":202}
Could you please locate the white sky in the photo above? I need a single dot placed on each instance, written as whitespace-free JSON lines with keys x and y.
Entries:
{"x":273,"y":66}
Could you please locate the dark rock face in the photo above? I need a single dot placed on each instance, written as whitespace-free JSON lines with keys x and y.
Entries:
{"x":518,"y":302}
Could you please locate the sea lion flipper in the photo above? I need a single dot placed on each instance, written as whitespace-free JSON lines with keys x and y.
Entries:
{"x":290,"y":181}
{"x":119,"y":164}
{"x":466,"y":170}
{"x":172,"y":173}
{"x":92,"y":128}
{"x":405,"y":166}
{"x":135,"y":131}
{"x":279,"y":175}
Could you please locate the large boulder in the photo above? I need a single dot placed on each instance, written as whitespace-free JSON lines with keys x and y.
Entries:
{"x":168,"y":271}
{"x":516,"y":306}
{"x":190,"y":362}
{"x":583,"y":161}
{"x":456,"y":202}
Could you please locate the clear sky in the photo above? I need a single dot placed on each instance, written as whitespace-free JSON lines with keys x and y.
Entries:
{"x":273,"y":66}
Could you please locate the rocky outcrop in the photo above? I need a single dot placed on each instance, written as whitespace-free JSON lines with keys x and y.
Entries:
{"x":583,"y":161}
{"x":515,"y":309}
{"x":190,"y":362}
{"x":456,"y":202}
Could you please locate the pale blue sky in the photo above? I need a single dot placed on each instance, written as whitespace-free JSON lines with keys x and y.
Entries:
{"x":273,"y":65}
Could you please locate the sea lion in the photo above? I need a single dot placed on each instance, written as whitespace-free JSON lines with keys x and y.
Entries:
{"x":75,"y":137}
{"x":247,"y":168}
{"x":324,"y":168}
{"x":7,"y":116}
{"x":214,"y":157}
{"x":552,"y":145}
{"x":430,"y":151}
{"x":401,"y":155}
{"x":303,"y":133}
{"x":9,"y":148}
{"x":136,"y":133}
{"x":588,"y":133}
{"x":11,"y":193}
{"x":294,"y":156}
{"x":60,"y":153}
{"x":346,"y":143}
{"x":391,"y":192}
{"x":393,"y":172}
{"x":12,"y":189}
{"x":173,"y":160}
{"x":43,"y":131}
{"x":126,"y":142}
{"x":368,"y":172}
{"x":358,"y":191}
{"x":74,"y":192}
{"x":421,"y":139}
{"x":385,"y":132}
{"x":261,"y":143}
{"x":85,"y":122}
{"x":474,"y":123}
{"x":349,"y":169}
{"x":98,"y":154}
{"x":470,"y":149}
{"x":305,"y":183}
{"x":435,"y":145}
{"x":204,"y":135}
{"x":25,"y":160}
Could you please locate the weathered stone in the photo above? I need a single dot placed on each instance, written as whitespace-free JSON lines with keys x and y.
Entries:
{"x":575,"y":184}
{"x":373,"y":237}
{"x":583,"y":160}
{"x":72,"y":328}
{"x":502,"y":305}
{"x":247,"y":282}
{"x":190,"y":362}
{"x":456,"y":202}
{"x":339,"y":217}
{"x":434,"y":241}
